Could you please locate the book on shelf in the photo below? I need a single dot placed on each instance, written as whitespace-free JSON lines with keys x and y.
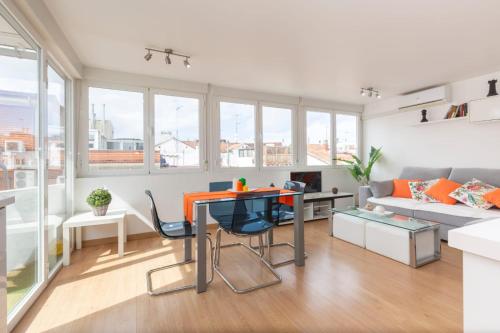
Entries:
{"x":457,"y":111}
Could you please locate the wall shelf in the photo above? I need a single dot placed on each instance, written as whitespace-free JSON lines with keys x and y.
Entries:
{"x":439,"y":121}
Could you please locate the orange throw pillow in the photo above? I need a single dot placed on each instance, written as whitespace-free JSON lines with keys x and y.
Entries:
{"x":493,"y":197}
{"x":441,"y":190}
{"x":402,"y":188}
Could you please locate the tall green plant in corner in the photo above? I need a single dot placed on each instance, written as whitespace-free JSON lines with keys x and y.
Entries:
{"x":357,"y":169}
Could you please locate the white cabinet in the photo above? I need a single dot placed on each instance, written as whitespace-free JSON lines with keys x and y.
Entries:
{"x":485,"y":109}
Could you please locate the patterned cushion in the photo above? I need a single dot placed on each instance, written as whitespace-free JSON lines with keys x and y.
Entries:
{"x":472,"y":194}
{"x":418,"y":189}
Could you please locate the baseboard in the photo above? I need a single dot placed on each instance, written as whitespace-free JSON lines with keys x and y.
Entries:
{"x":111,"y":240}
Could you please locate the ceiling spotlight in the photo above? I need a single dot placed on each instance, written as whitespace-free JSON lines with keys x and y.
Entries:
{"x":371,"y":92}
{"x":168,"y":54}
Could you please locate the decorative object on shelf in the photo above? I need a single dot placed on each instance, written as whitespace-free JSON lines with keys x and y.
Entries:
{"x":493,"y":88}
{"x":370,"y":92}
{"x":168,"y":53}
{"x":99,"y":199}
{"x":359,"y":172}
{"x":272,"y":185}
{"x":424,"y":116}
{"x":335,"y":190}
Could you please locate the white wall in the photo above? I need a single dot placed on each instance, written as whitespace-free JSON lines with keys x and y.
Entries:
{"x":453,"y":144}
{"x":168,"y":189}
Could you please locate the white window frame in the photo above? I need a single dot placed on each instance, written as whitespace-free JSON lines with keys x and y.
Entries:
{"x":202,"y":127}
{"x":358,"y":135}
{"x":295,"y":146}
{"x":304,"y":138}
{"x":84,"y":167}
{"x":217,"y":164}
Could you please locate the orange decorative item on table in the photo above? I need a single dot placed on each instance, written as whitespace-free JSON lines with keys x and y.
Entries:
{"x":190,"y":198}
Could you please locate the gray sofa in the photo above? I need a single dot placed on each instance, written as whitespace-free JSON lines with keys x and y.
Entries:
{"x":450,"y":216}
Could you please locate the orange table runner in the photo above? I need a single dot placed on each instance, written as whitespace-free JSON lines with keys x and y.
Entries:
{"x":190,"y":198}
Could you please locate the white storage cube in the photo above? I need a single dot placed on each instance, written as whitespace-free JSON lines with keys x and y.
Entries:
{"x":349,"y":228}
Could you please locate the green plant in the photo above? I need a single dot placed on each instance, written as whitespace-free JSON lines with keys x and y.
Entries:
{"x":357,"y":169}
{"x":99,"y":197}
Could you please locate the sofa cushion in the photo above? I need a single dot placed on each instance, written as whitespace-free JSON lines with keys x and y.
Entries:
{"x":463,"y":175}
{"x":400,"y":206}
{"x":418,"y":189}
{"x":425,"y":173}
{"x":471,"y":194}
{"x":381,"y":189}
{"x":493,"y":197}
{"x":456,"y":215}
{"x":441,"y":191}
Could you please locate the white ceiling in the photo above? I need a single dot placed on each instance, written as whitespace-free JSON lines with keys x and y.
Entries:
{"x":314,"y":48}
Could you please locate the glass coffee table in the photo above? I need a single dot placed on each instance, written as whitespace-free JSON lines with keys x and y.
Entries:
{"x":413,"y":241}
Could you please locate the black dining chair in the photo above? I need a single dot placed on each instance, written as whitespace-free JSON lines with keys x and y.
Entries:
{"x":173,"y":231}
{"x":233,"y":220}
{"x":282,"y":212}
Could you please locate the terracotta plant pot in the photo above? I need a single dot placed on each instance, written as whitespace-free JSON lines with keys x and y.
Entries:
{"x":100,"y":211}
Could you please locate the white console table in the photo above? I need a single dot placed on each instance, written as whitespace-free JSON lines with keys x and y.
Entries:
{"x":4,"y":202}
{"x":86,"y":219}
{"x":480,"y":244}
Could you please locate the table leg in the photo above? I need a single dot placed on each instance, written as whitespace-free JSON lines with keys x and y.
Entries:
{"x":330,"y":217}
{"x":78,"y":236}
{"x":413,"y":249}
{"x":125,"y":228}
{"x":188,"y":249}
{"x":121,"y":238}
{"x":66,"y":249}
{"x":201,"y":250}
{"x":298,"y":229}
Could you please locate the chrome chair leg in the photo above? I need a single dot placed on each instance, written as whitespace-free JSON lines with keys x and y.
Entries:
{"x":185,"y":262}
{"x":283,"y":262}
{"x":260,"y":254}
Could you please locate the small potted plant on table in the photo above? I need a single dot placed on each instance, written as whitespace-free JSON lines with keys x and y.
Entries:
{"x":99,"y":200}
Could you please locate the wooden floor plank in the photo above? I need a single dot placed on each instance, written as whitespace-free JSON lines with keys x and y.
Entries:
{"x":342,"y":288}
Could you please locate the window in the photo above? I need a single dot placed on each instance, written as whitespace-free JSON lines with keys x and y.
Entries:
{"x":116,"y":129}
{"x":318,"y":133}
{"x":346,"y":131}
{"x":277,"y":136}
{"x":237,"y":135}
{"x":56,"y":118}
{"x":177,"y":131}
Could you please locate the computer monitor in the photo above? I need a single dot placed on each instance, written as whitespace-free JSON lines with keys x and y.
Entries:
{"x":312,"y":179}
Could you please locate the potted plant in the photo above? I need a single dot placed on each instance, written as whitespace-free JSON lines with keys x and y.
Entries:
{"x":358,"y":170}
{"x":99,"y":200}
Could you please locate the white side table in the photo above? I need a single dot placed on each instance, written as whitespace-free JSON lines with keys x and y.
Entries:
{"x":86,"y":219}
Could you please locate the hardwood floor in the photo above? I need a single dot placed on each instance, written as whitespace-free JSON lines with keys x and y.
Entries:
{"x":342,"y":288}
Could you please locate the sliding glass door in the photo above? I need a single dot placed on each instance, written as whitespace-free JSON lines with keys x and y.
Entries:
{"x":19,"y":160}
{"x":33,"y":163}
{"x":56,"y":156}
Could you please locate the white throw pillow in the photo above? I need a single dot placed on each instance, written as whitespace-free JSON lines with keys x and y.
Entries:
{"x":471,"y":194}
{"x":418,"y":189}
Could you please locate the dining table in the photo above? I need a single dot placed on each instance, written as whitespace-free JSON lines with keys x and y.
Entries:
{"x":195,"y":211}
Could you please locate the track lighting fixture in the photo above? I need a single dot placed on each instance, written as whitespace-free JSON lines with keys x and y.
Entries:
{"x":370,"y":92}
{"x":168,"y":53}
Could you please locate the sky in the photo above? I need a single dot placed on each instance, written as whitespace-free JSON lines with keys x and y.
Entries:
{"x":178,"y":115}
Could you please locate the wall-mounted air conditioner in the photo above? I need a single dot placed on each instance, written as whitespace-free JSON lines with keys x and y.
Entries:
{"x":423,"y":98}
